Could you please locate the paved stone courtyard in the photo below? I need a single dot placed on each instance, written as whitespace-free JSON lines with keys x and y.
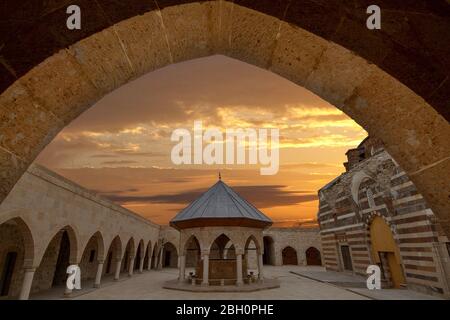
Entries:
{"x":297,"y":282}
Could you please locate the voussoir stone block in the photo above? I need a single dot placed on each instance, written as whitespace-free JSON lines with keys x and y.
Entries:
{"x":296,"y":54}
{"x":337,"y":74}
{"x":253,"y":36}
{"x":11,"y":169}
{"x":144,"y":42}
{"x":222,"y":11}
{"x":25,"y":127}
{"x":399,"y":121}
{"x":434,"y":186}
{"x":60,"y":86}
{"x":103,"y":60}
{"x":188,"y":30}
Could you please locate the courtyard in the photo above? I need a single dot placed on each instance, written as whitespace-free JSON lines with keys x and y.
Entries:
{"x":296,"y":282}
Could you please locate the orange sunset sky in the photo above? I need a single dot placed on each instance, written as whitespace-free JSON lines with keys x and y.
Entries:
{"x":121,"y":146}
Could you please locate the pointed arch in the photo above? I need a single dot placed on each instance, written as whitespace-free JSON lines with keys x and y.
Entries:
{"x":61,"y":251}
{"x":289,"y":256}
{"x":192,"y":251}
{"x":16,"y":253}
{"x":92,"y":254}
{"x":113,"y":255}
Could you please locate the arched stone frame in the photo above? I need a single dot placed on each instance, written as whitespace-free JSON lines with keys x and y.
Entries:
{"x":315,"y":250}
{"x":187,"y":255}
{"x":259,"y":254}
{"x":359,"y":88}
{"x":257,"y":242}
{"x":232,"y":241}
{"x":357,"y":179}
{"x":231,"y":235}
{"x":99,"y":256}
{"x":28,"y":240}
{"x":129,"y":253}
{"x":173,"y":261}
{"x":289,"y":250}
{"x":115,"y":250}
{"x":74,"y":257}
{"x":368,"y":220}
{"x":98,"y":236}
{"x":24,"y":256}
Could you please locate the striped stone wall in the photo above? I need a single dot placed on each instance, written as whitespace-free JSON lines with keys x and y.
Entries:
{"x":377,"y":186}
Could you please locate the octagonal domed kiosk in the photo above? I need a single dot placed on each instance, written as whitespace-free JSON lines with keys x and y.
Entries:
{"x":218,"y":233}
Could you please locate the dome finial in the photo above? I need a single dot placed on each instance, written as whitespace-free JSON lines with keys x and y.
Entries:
{"x":220,"y":177}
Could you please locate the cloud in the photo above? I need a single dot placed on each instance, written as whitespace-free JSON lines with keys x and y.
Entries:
{"x":264,"y":196}
{"x":104,"y":155}
{"x":308,"y":165}
{"x":140,"y":154}
{"x":119,"y":162}
{"x":201,"y":86}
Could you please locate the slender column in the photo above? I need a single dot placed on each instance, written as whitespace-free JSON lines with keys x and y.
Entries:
{"x":141,"y":265}
{"x":26,"y":284}
{"x":239,"y":281}
{"x":149,"y":267}
{"x":205,"y":280}
{"x":117,"y":273}
{"x":182,"y":268}
{"x":98,"y":276}
{"x":260,"y":267}
{"x":131,"y":267}
{"x":160,"y":259}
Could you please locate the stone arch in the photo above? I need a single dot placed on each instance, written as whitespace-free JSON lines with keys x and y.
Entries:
{"x":170,"y":255}
{"x":98,"y":237}
{"x":192,"y":251}
{"x":93,"y":253}
{"x":61,"y":251}
{"x":255,"y":240}
{"x":313,"y":257}
{"x":113,"y":255}
{"x":252,"y":252}
{"x":357,"y":179}
{"x":73,"y":238}
{"x":16,"y":254}
{"x":54,"y":89}
{"x":128,"y":256}
{"x":148,"y":255}
{"x":219,"y":244}
{"x":289,"y":256}
{"x":375,"y":214}
{"x":269,"y":250}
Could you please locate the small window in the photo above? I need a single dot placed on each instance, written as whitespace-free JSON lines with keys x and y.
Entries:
{"x":92,"y":256}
